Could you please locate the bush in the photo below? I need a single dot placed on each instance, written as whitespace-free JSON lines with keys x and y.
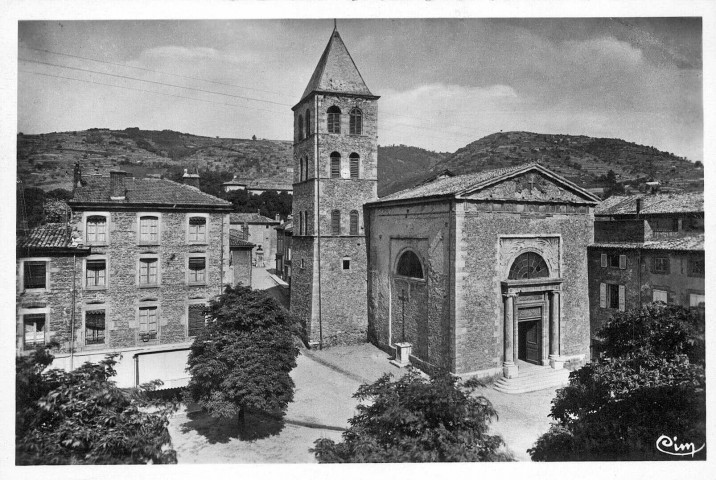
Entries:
{"x":651,"y":382}
{"x":82,"y":417}
{"x":243,"y":358}
{"x":417,"y":420}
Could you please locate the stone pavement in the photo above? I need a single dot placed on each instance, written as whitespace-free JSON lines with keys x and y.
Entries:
{"x":325,"y":383}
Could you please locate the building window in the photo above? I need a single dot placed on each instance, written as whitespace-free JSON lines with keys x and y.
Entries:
{"x":354,"y":222}
{"x":661,"y":265}
{"x":34,"y":329}
{"x":612,"y":295}
{"x":697,"y":300}
{"x":528,"y":265}
{"x":197,"y":229}
{"x":300,"y":127}
{"x":334,"y":120}
{"x":148,"y":271}
{"x":336,"y":222}
{"x":659,"y":296}
{"x":308,"y":123}
{"x":335,"y":165}
{"x":96,"y":273}
{"x":149,"y":229}
{"x":664,"y":224}
{"x":354,"y":164}
{"x":346,"y":263}
{"x":197,"y":319}
{"x":356,"y":122}
{"x":147,"y":323}
{"x":409,"y":265}
{"x":612,"y":260}
{"x":34,"y":274}
{"x":197,"y":270}
{"x":301,"y":175}
{"x":95,"y":327}
{"x":696,"y":267}
{"x":96,"y":230}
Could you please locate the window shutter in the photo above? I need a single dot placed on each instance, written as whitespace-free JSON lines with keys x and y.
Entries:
{"x":622,"y":294}
{"x":622,"y":262}
{"x":604,"y":260}
{"x":603,"y":295}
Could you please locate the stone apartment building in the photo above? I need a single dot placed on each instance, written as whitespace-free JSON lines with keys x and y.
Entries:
{"x":647,"y":247}
{"x":147,"y":256}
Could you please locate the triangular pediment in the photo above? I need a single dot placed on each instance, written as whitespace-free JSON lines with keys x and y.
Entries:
{"x":533,"y":184}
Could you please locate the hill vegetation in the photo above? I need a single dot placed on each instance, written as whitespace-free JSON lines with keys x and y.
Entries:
{"x":46,"y":160}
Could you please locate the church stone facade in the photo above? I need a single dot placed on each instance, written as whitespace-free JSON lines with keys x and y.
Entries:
{"x":479,"y":272}
{"x":483,"y":271}
{"x":335,"y":173}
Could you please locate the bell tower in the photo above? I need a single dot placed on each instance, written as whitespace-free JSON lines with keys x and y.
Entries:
{"x":335,"y":153}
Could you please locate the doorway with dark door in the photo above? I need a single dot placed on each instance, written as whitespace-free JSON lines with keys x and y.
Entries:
{"x":529,"y":334}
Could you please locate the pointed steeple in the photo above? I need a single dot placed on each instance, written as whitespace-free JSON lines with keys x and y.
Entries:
{"x":336,"y":72}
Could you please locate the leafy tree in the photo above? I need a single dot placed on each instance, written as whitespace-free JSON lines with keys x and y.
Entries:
{"x":82,"y":417}
{"x":417,"y":420}
{"x":651,"y":382}
{"x":242,"y":359}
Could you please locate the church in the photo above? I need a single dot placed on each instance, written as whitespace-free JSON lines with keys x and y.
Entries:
{"x":477,"y":273}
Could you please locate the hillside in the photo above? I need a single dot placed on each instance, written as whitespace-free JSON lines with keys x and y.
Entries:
{"x":46,"y":160}
{"x":580,"y":159}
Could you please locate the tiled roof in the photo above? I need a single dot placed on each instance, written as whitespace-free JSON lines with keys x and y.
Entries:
{"x":652,"y":204}
{"x":236,"y":239}
{"x":251,"y":218}
{"x":462,"y":184}
{"x":336,"y":71}
{"x":50,"y":235}
{"x":154,"y":191}
{"x":691,"y":243}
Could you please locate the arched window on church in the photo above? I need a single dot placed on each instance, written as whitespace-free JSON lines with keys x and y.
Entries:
{"x":308,"y":123}
{"x":409,"y":265}
{"x":334,"y":120}
{"x":300,"y":127}
{"x":354,"y":222}
{"x":301,"y":230}
{"x":304,"y":165}
{"x":301,"y":171}
{"x":356,"y":123}
{"x":335,"y":165}
{"x":354,"y":159}
{"x":336,"y":222}
{"x":528,"y":265}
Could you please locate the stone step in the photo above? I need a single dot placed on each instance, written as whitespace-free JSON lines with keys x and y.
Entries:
{"x":533,"y":379}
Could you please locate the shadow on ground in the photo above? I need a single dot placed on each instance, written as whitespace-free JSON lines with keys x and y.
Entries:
{"x":256,"y":426}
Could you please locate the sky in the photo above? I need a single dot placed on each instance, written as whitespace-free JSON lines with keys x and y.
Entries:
{"x":443,"y":82}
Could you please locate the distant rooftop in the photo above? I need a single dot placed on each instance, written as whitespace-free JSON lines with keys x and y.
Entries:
{"x":252,"y":218}
{"x":691,"y":243}
{"x":658,"y":203}
{"x":236,"y":239}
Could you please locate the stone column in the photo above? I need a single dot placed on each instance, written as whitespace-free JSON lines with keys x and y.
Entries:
{"x":555,"y":360}
{"x":509,"y":368}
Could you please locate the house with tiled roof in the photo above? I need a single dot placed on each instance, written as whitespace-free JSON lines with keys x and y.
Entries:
{"x":284,"y":237}
{"x":241,"y":262}
{"x":259,"y":230}
{"x":149,"y":254}
{"x":647,"y":248}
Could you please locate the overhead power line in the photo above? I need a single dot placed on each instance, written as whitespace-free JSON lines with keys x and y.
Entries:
{"x":155,"y":71}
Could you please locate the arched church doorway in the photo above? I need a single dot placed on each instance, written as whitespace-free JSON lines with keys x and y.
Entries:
{"x":409,"y":312}
{"x":531,"y":307}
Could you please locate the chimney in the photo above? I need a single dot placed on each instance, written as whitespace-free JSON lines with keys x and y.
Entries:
{"x":278,"y":217}
{"x":117,"y":187}
{"x":77,"y":180}
{"x":638,"y":206}
{"x":191,"y":179}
